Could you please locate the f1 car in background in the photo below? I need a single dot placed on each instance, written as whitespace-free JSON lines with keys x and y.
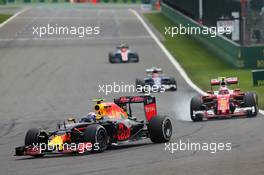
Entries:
{"x":224,"y":103}
{"x":112,"y":123}
{"x":156,"y":82}
{"x":123,"y":55}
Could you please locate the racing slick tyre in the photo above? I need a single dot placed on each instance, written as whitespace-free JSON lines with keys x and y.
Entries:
{"x":173,"y":82}
{"x":140,"y":86}
{"x":251,"y":100}
{"x":196,"y":105}
{"x":110,"y":57}
{"x":136,"y":58}
{"x":160,"y":129}
{"x":97,"y":136}
{"x":133,"y":58}
{"x":32,"y":136}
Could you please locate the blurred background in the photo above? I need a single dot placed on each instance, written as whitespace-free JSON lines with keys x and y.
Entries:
{"x":249,"y":13}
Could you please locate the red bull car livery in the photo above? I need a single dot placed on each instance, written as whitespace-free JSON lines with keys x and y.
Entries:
{"x":111,"y":123}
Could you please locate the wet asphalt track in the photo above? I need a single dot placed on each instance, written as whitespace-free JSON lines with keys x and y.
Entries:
{"x":44,"y":81}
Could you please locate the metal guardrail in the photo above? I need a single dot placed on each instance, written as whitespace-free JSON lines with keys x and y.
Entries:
{"x":233,"y":53}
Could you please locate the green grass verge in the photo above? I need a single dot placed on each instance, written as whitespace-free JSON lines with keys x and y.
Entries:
{"x":200,"y":64}
{"x":4,"y":17}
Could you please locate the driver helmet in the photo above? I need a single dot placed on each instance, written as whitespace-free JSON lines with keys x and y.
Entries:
{"x":223,"y":87}
{"x":223,"y":90}
{"x":123,"y":47}
{"x":71,"y":120}
{"x":155,"y":73}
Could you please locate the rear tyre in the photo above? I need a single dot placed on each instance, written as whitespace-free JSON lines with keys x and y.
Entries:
{"x":140,"y":86}
{"x":97,"y":136}
{"x":110,"y":58}
{"x":251,"y":100}
{"x":173,"y":82}
{"x":137,"y":58}
{"x":133,"y":58}
{"x":196,"y":105}
{"x":160,"y":129}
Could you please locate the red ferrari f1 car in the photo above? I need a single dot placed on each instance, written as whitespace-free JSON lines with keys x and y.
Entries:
{"x":111,"y":123}
{"x":224,"y":103}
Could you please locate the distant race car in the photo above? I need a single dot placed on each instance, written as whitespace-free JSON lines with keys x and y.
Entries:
{"x":224,"y":103}
{"x":156,"y":81}
{"x":123,"y":55}
{"x":112,"y":123}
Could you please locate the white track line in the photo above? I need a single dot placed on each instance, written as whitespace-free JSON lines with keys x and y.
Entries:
{"x":12,"y":17}
{"x":168,"y":54}
{"x":170,"y":57}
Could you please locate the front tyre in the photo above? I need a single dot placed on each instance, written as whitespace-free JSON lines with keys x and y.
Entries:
{"x":251,"y":100}
{"x":196,"y":105}
{"x":97,"y":136}
{"x":34,"y":137}
{"x":160,"y":129}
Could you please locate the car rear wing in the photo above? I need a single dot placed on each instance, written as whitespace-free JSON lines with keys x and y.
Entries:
{"x":228,"y":80}
{"x":149,"y":102}
{"x":150,"y":71}
{"x":122,"y":46}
